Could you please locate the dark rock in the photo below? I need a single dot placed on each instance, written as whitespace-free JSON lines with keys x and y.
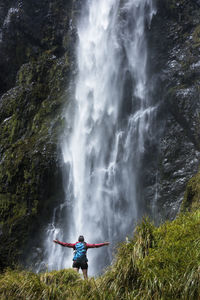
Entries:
{"x":35,"y":47}
{"x":179,"y":80}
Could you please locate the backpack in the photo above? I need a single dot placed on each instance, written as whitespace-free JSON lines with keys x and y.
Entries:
{"x":80,"y":252}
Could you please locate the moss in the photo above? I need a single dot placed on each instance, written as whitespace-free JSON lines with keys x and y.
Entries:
{"x":196,"y":36}
{"x":5,"y":204}
{"x":36,"y":65}
{"x":192,"y":194}
{"x":29,"y":132}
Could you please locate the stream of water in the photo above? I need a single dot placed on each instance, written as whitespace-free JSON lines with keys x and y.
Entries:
{"x":110,"y":122}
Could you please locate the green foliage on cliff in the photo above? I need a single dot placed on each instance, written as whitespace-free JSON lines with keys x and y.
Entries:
{"x":158,"y":263}
{"x":196,"y":36}
{"x":191,"y":199}
{"x":36,"y":53}
{"x":30,"y":125}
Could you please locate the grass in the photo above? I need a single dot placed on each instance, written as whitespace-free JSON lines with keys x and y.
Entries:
{"x":158,"y":263}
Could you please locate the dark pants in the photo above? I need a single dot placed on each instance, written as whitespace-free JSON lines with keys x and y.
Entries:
{"x":80,"y":264}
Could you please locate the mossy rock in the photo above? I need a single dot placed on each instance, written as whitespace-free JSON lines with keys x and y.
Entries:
{"x":196,"y":36}
{"x":191,"y":199}
{"x":31,"y":124}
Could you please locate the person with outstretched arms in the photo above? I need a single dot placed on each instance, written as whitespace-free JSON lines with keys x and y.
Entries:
{"x":80,"y":250}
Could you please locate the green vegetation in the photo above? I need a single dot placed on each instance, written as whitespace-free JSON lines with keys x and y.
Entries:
{"x":196,"y":36}
{"x":191,"y":199}
{"x":31,"y":123}
{"x":158,"y":263}
{"x":36,"y":54}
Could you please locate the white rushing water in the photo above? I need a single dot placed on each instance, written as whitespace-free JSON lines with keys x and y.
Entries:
{"x":111,"y":119}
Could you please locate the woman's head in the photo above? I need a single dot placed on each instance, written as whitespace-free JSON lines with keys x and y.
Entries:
{"x":81,"y":238}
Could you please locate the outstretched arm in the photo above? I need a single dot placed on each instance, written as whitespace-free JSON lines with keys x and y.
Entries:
{"x":97,"y":245}
{"x":69,"y":245}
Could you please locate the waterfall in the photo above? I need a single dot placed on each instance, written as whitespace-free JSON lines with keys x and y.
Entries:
{"x":108,"y":126}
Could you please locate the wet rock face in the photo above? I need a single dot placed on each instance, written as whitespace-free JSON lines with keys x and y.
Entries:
{"x":26,"y":29}
{"x":180,"y":79}
{"x":35,"y":49}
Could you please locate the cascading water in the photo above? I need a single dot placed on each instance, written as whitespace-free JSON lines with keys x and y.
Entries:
{"x":112,"y":118}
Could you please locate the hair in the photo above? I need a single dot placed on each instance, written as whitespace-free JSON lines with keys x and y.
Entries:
{"x":81,"y":238}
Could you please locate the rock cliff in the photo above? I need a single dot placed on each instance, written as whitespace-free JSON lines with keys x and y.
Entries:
{"x":35,"y":44}
{"x":176,"y":48}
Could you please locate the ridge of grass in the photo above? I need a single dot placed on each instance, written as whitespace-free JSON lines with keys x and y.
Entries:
{"x":157,"y":263}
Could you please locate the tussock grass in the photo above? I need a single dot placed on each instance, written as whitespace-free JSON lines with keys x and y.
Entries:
{"x":20,"y":285}
{"x":158,"y":263}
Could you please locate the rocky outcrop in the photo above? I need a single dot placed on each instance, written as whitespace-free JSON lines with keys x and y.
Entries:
{"x":35,"y":50}
{"x":27,"y":28}
{"x":176,"y":48}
